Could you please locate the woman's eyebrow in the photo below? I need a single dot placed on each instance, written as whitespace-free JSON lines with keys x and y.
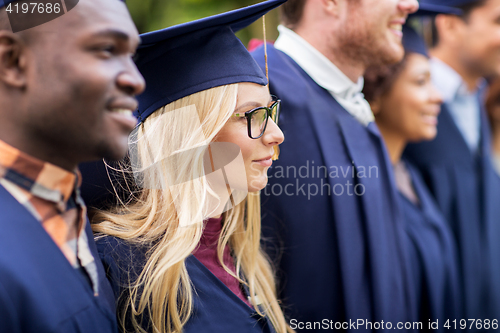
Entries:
{"x":422,"y":71}
{"x":248,"y":104}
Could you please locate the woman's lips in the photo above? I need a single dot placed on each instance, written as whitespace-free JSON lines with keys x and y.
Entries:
{"x":265,"y":161}
{"x":430,"y":119}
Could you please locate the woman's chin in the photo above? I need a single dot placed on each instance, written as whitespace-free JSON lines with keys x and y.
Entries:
{"x":257,"y":184}
{"x":427,"y":135}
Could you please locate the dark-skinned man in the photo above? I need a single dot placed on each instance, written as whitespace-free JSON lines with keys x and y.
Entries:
{"x":67,"y":88}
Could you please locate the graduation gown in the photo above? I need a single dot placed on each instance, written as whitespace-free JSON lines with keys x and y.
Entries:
{"x":97,"y":189}
{"x":339,"y":238}
{"x":39,"y":289}
{"x":216,"y":309}
{"x":466,"y":189}
{"x":434,"y":260}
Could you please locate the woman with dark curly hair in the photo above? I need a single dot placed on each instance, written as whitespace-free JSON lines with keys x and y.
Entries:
{"x":406,"y":106}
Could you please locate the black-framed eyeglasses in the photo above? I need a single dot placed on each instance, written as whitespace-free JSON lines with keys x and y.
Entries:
{"x":257,"y":118}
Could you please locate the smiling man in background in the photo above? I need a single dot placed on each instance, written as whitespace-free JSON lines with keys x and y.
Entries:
{"x":337,"y":225}
{"x":67,"y":89}
{"x":457,"y":163}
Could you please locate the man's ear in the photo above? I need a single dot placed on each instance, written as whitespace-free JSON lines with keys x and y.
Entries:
{"x":333,"y":7}
{"x":13,"y":59}
{"x":449,"y":27}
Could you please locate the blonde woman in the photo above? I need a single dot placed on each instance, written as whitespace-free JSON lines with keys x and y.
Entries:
{"x":183,"y":255}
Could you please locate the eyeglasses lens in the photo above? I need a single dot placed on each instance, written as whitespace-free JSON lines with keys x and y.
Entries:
{"x":276,"y":108}
{"x":260,"y":117}
{"x":258,"y":120}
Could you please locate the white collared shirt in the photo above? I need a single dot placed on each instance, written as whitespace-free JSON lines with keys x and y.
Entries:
{"x":462,"y":103}
{"x":326,"y":74}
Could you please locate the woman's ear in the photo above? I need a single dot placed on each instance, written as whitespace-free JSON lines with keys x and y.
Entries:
{"x":12,"y":60}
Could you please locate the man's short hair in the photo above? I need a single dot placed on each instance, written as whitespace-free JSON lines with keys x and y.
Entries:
{"x":466,"y":9}
{"x":291,"y":12}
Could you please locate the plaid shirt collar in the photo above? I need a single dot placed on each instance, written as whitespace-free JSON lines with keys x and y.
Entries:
{"x":42,"y":179}
{"x":58,"y":188}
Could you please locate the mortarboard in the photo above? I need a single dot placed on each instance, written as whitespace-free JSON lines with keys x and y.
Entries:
{"x":184,"y":59}
{"x":445,"y":6}
{"x":412,"y":42}
{"x":434,"y":8}
{"x":448,"y":3}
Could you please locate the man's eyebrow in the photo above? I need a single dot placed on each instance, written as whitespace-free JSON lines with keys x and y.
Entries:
{"x":118,"y":34}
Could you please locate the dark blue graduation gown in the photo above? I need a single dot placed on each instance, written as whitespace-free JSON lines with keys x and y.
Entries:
{"x":467,"y":189}
{"x":434,"y":261}
{"x":216,"y":309}
{"x":97,"y":190}
{"x":342,"y":255}
{"x":39,"y":289}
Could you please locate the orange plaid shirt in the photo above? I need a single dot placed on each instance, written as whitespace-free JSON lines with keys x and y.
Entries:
{"x":52,"y":196}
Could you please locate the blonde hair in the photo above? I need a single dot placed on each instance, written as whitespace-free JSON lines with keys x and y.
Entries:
{"x":162,"y":294}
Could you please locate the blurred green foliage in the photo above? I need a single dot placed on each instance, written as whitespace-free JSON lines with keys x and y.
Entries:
{"x":152,"y":15}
